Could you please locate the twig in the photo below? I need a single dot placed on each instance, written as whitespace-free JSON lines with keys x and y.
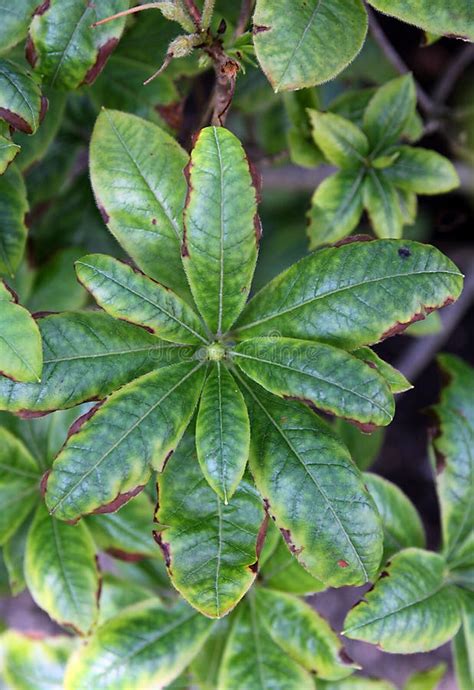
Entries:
{"x":454,"y":70}
{"x":226,"y":70}
{"x":244,"y":17}
{"x":194,"y":13}
{"x":428,"y":105}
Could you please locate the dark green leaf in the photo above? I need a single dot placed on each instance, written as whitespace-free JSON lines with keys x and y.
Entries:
{"x":15,"y":20}
{"x":21,"y":356}
{"x":13,"y":209}
{"x":14,"y":556}
{"x":422,"y":171}
{"x":34,"y":148}
{"x":364,"y":448}
{"x":55,"y":287}
{"x":20,"y":98}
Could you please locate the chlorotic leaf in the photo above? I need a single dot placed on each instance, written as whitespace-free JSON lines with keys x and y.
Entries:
{"x":355,"y":294}
{"x":35,"y":663}
{"x":87,"y":356}
{"x":388,"y":112}
{"x":453,"y":458}
{"x":19,"y":484}
{"x":134,"y":157}
{"x":21,"y":355}
{"x":381,"y":201}
{"x":324,"y":512}
{"x":222,"y":432}
{"x":329,"y":378}
{"x":411,"y":608}
{"x":341,"y":141}
{"x":21,"y":104}
{"x":13,"y":209}
{"x":210,"y":548}
{"x":295,"y":41}
{"x":402,"y":525}
{"x":253,"y":660}
{"x":303,"y":634}
{"x":64,"y":48}
{"x":146,"y":645}
{"x":127,"y":294}
{"x":336,"y":208}
{"x":61,"y":571}
{"x":8,"y":151}
{"x":108,"y":460}
{"x":422,"y":171}
{"x":222,"y":228}
{"x":426,"y":680}
{"x":455,"y":18}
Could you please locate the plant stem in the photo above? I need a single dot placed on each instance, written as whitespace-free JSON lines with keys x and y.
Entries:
{"x":454,"y":70}
{"x":194,"y":13}
{"x":244,"y":17}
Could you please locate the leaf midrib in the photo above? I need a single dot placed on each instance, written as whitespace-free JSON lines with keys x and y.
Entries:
{"x":298,"y":45}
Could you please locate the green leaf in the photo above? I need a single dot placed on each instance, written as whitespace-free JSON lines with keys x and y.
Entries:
{"x":145,"y":646}
{"x":382,"y":204}
{"x":342,"y":142}
{"x":408,"y":202}
{"x":426,"y":680}
{"x":8,"y":151}
{"x":436,"y":16}
{"x":389,"y":111}
{"x":422,"y":171}
{"x":295,"y":41}
{"x":303,"y":634}
{"x":252,"y":660}
{"x":301,"y":144}
{"x":128,"y":532}
{"x":363,"y":448}
{"x":344,"y":545}
{"x":117,"y":594}
{"x":14,"y":557}
{"x":454,"y":460}
{"x":222,"y":432}
{"x":353,"y":295}
{"x":15,"y":21}
{"x":281,"y":570}
{"x":351,"y":104}
{"x":331,"y":379}
{"x":205,"y":666}
{"x":395,"y":379}
{"x":134,"y":157}
{"x":19,"y":484}
{"x":87,"y":356}
{"x":210,"y":548}
{"x":55,"y":287}
{"x":65,"y":49}
{"x":21,"y":356}
{"x":61,"y":571}
{"x":20,"y":98}
{"x":411,"y":608}
{"x":336,"y":208}
{"x":34,"y":148}
{"x":104,"y":463}
{"x":222,"y":227}
{"x":402,"y":526}
{"x":355,"y":683}
{"x":429,"y":326}
{"x":30,"y":663}
{"x":463,"y":644}
{"x":127,"y":294}
{"x":13,"y":209}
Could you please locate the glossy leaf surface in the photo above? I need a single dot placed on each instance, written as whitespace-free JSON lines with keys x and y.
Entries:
{"x":222,"y":230}
{"x":21,"y":356}
{"x":105,"y":461}
{"x":294,"y":41}
{"x":210,"y":547}
{"x":353,"y":295}
{"x":20,"y":98}
{"x":411,"y":608}
{"x":132,"y":157}
{"x":15,"y":21}
{"x":222,"y":432}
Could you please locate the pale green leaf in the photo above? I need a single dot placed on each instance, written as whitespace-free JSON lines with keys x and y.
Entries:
{"x":389,"y":111}
{"x":313,"y":491}
{"x":126,"y":294}
{"x":87,"y":356}
{"x":463,"y":644}
{"x":341,"y":141}
{"x":222,"y":227}
{"x":303,"y":634}
{"x":336,"y":208}
{"x":252,"y":660}
{"x":402,"y":525}
{"x":330,"y":378}
{"x":382,"y":204}
{"x":436,"y":16}
{"x":61,"y":571}
{"x":422,"y":171}
{"x":13,"y":208}
{"x":20,"y":98}
{"x":222,"y":432}
{"x":408,"y":202}
{"x":8,"y":151}
{"x":104,"y":462}
{"x":210,"y":548}
{"x":65,"y":49}
{"x":353,"y":295}
{"x":145,"y":646}
{"x":137,"y":175}
{"x":429,"y":326}
{"x":411,"y":608}
{"x":295,"y":41}
{"x":426,"y":680}
{"x":21,"y":355}
{"x":32,"y":664}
